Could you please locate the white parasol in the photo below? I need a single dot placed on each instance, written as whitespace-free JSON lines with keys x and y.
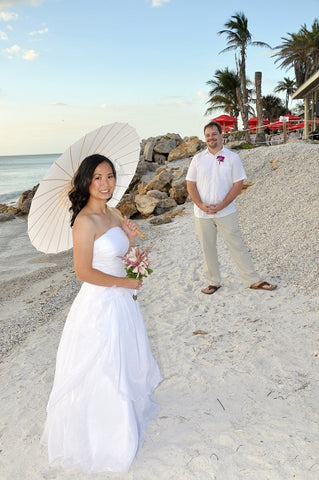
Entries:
{"x":49,"y":217}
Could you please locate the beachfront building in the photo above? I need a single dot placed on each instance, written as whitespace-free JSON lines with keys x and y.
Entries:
{"x":309,"y":92}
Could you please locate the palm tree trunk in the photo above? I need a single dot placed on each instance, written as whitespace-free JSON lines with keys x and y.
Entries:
{"x":244,"y":101}
{"x":241,"y":108}
{"x":260,"y":135}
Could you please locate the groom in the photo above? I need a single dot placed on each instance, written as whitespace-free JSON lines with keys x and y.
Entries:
{"x":214,"y":179}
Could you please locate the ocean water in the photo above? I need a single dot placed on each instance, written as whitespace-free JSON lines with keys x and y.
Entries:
{"x":19,"y":173}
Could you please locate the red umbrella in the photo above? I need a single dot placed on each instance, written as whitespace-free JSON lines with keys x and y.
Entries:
{"x":297,"y":126}
{"x":229,"y":128}
{"x":225,"y":121}
{"x":253,"y":121}
{"x":275,"y":126}
{"x":292,"y":117}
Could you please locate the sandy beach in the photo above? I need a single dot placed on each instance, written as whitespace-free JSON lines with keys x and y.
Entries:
{"x":239,"y":399}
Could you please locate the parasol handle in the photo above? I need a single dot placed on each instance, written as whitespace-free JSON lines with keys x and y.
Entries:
{"x":118,"y":215}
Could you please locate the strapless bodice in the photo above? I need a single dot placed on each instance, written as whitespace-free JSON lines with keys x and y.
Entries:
{"x":107,"y":250}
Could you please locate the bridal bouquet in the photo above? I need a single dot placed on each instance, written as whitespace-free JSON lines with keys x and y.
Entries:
{"x":137,"y":264}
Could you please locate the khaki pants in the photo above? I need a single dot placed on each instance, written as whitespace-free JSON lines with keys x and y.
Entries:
{"x":229,"y":229}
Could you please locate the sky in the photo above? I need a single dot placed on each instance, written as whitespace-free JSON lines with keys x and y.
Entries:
{"x":70,"y":66}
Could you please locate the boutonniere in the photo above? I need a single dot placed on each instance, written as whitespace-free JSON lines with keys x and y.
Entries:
{"x":220,"y":158}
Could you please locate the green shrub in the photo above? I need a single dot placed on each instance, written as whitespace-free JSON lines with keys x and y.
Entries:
{"x":244,"y":146}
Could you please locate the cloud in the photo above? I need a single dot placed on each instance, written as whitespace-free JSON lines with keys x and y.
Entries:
{"x":201,"y":95}
{"x":13,"y":50}
{"x":3,"y":36}
{"x":159,"y":3}
{"x":262,"y":53}
{"x":16,"y":49}
{"x":13,"y":3}
{"x":39,"y":32}
{"x":59,"y":104}
{"x":104,"y":106}
{"x":8,"y":16}
{"x":30,"y":55}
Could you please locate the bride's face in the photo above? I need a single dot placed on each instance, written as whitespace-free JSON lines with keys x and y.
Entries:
{"x":103,"y":182}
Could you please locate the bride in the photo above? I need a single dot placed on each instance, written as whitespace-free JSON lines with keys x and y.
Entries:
{"x":101,"y":400}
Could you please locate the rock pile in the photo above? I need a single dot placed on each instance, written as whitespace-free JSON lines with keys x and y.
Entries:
{"x":158,"y":186}
{"x":8,"y":212}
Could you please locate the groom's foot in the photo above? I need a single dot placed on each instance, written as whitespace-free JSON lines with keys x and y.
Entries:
{"x":210,"y":289}
{"x":262,"y":286}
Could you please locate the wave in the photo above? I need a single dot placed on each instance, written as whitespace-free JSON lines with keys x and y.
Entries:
{"x":10,"y":198}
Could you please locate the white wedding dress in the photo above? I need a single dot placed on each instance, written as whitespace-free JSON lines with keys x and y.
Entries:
{"x":101,"y":399}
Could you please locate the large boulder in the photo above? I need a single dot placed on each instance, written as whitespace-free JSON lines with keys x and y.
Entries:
{"x":4,"y":217}
{"x":127,"y":205}
{"x":157,"y":194}
{"x":178,"y":191}
{"x":146,"y":204}
{"x":161,"y":181}
{"x":159,"y":220}
{"x":24,"y":202}
{"x":166,"y":217}
{"x":186,"y":149}
{"x":141,"y":169}
{"x":141,"y":188}
{"x":165,"y":205}
{"x":179,"y":173}
{"x":159,"y":158}
{"x":165,"y":145}
{"x":148,"y":150}
{"x":7,"y":209}
{"x":157,"y":149}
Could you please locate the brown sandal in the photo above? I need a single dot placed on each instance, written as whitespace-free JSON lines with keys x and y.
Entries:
{"x":263,"y":286}
{"x":210,"y":289}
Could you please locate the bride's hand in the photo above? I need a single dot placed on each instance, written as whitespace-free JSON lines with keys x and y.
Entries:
{"x":134,"y":284}
{"x":130,"y":228}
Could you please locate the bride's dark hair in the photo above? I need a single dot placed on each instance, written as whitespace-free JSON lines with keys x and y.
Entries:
{"x":79,"y":194}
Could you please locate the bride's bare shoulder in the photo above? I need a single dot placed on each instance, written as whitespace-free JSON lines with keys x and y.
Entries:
{"x":84,"y":221}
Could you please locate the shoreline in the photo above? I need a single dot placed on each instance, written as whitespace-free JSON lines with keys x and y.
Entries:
{"x":32,"y":286}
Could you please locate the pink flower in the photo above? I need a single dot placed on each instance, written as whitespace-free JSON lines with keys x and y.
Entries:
{"x":137,"y":262}
{"x":220,"y":158}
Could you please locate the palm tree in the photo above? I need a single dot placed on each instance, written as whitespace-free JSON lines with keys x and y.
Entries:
{"x":312,"y":40}
{"x":238,"y":39}
{"x":286,"y":85}
{"x":260,"y":134}
{"x":299,"y":109}
{"x":222,"y":95}
{"x":301,"y":52}
{"x":272,"y":107}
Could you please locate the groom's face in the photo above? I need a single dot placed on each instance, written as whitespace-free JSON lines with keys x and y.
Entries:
{"x":214,"y":139}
